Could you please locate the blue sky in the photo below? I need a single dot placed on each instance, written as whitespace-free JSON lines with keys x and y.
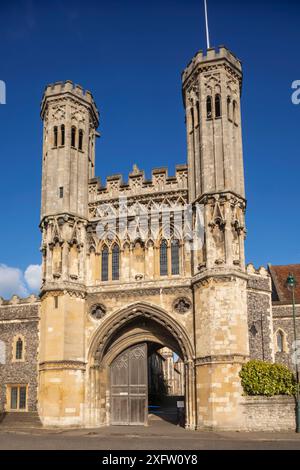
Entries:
{"x":130,"y":54}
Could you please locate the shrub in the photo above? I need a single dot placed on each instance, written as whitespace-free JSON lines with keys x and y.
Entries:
{"x":264,"y":378}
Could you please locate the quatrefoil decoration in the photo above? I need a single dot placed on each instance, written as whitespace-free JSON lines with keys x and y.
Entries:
{"x":98,"y":311}
{"x":182,"y":305}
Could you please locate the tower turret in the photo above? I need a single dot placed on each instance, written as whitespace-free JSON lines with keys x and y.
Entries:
{"x":211,"y":93}
{"x":70,"y":121}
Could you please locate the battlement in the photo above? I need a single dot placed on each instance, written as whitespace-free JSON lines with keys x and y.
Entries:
{"x":68,"y":86}
{"x":16,"y":300}
{"x":261,"y":271}
{"x":213,"y":54}
{"x":138,"y":184}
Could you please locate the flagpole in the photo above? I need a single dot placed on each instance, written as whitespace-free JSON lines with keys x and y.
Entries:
{"x":206,"y":25}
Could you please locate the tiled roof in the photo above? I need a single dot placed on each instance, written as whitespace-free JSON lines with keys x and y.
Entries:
{"x":279,"y":276}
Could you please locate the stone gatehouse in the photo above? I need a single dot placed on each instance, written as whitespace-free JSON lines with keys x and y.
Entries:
{"x":131,"y":267}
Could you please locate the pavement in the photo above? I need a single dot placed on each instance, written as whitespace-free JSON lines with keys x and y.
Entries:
{"x":159,"y":435}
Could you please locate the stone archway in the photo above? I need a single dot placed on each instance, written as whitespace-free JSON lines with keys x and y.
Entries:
{"x":137,"y":323}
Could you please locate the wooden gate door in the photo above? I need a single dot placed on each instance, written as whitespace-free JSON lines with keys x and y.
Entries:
{"x":129,"y":386}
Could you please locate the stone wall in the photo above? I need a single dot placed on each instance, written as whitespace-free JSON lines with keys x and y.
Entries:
{"x":266,"y":318}
{"x":260,"y":323}
{"x":19,"y":317}
{"x":269,"y":413}
{"x":283,"y":320}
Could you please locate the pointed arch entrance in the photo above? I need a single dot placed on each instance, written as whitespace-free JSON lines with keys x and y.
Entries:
{"x":136,"y":325}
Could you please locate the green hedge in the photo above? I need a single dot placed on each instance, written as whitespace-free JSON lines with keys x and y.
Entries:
{"x":264,"y":378}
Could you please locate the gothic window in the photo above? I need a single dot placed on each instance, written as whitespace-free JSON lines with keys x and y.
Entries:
{"x":62,"y":135}
{"x":164,"y":258}
{"x":192,"y":119}
{"x":218,"y":106}
{"x":56,"y":301}
{"x":115,"y":263}
{"x":22,"y":398}
{"x":175,"y":257}
{"x":234,"y":108}
{"x":73,"y":136}
{"x":55,"y":136}
{"x":18,"y":397}
{"x":280,"y":339}
{"x":208,"y":107}
{"x":19,"y":349}
{"x":198,"y":112}
{"x":228,"y":108}
{"x":104,"y":266}
{"x":61,"y":192}
{"x":14,"y":398}
{"x":80,"y":139}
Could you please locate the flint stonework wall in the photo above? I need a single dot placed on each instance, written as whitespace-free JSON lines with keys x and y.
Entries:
{"x":283,"y":320}
{"x":260,"y":323}
{"x":22,"y":319}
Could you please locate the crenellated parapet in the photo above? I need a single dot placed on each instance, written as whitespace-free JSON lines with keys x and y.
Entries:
{"x":68,"y":88}
{"x":261,"y":271}
{"x":16,"y":300}
{"x":200,"y":59}
{"x":137,"y":184}
{"x":258,"y":278}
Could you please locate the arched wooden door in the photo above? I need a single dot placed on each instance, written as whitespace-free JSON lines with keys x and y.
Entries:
{"x":129,"y":386}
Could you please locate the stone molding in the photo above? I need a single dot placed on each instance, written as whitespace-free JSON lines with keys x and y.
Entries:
{"x":54,"y":291}
{"x":221,"y":359}
{"x":19,"y":321}
{"x":222,"y":197}
{"x":142,"y":292}
{"x":217,"y":275}
{"x":155,"y":285}
{"x":61,"y":365}
{"x":61,"y":218}
{"x":278,"y":303}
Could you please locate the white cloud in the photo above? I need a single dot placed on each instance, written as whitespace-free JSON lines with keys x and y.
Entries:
{"x":33,"y":277}
{"x":12,"y":282}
